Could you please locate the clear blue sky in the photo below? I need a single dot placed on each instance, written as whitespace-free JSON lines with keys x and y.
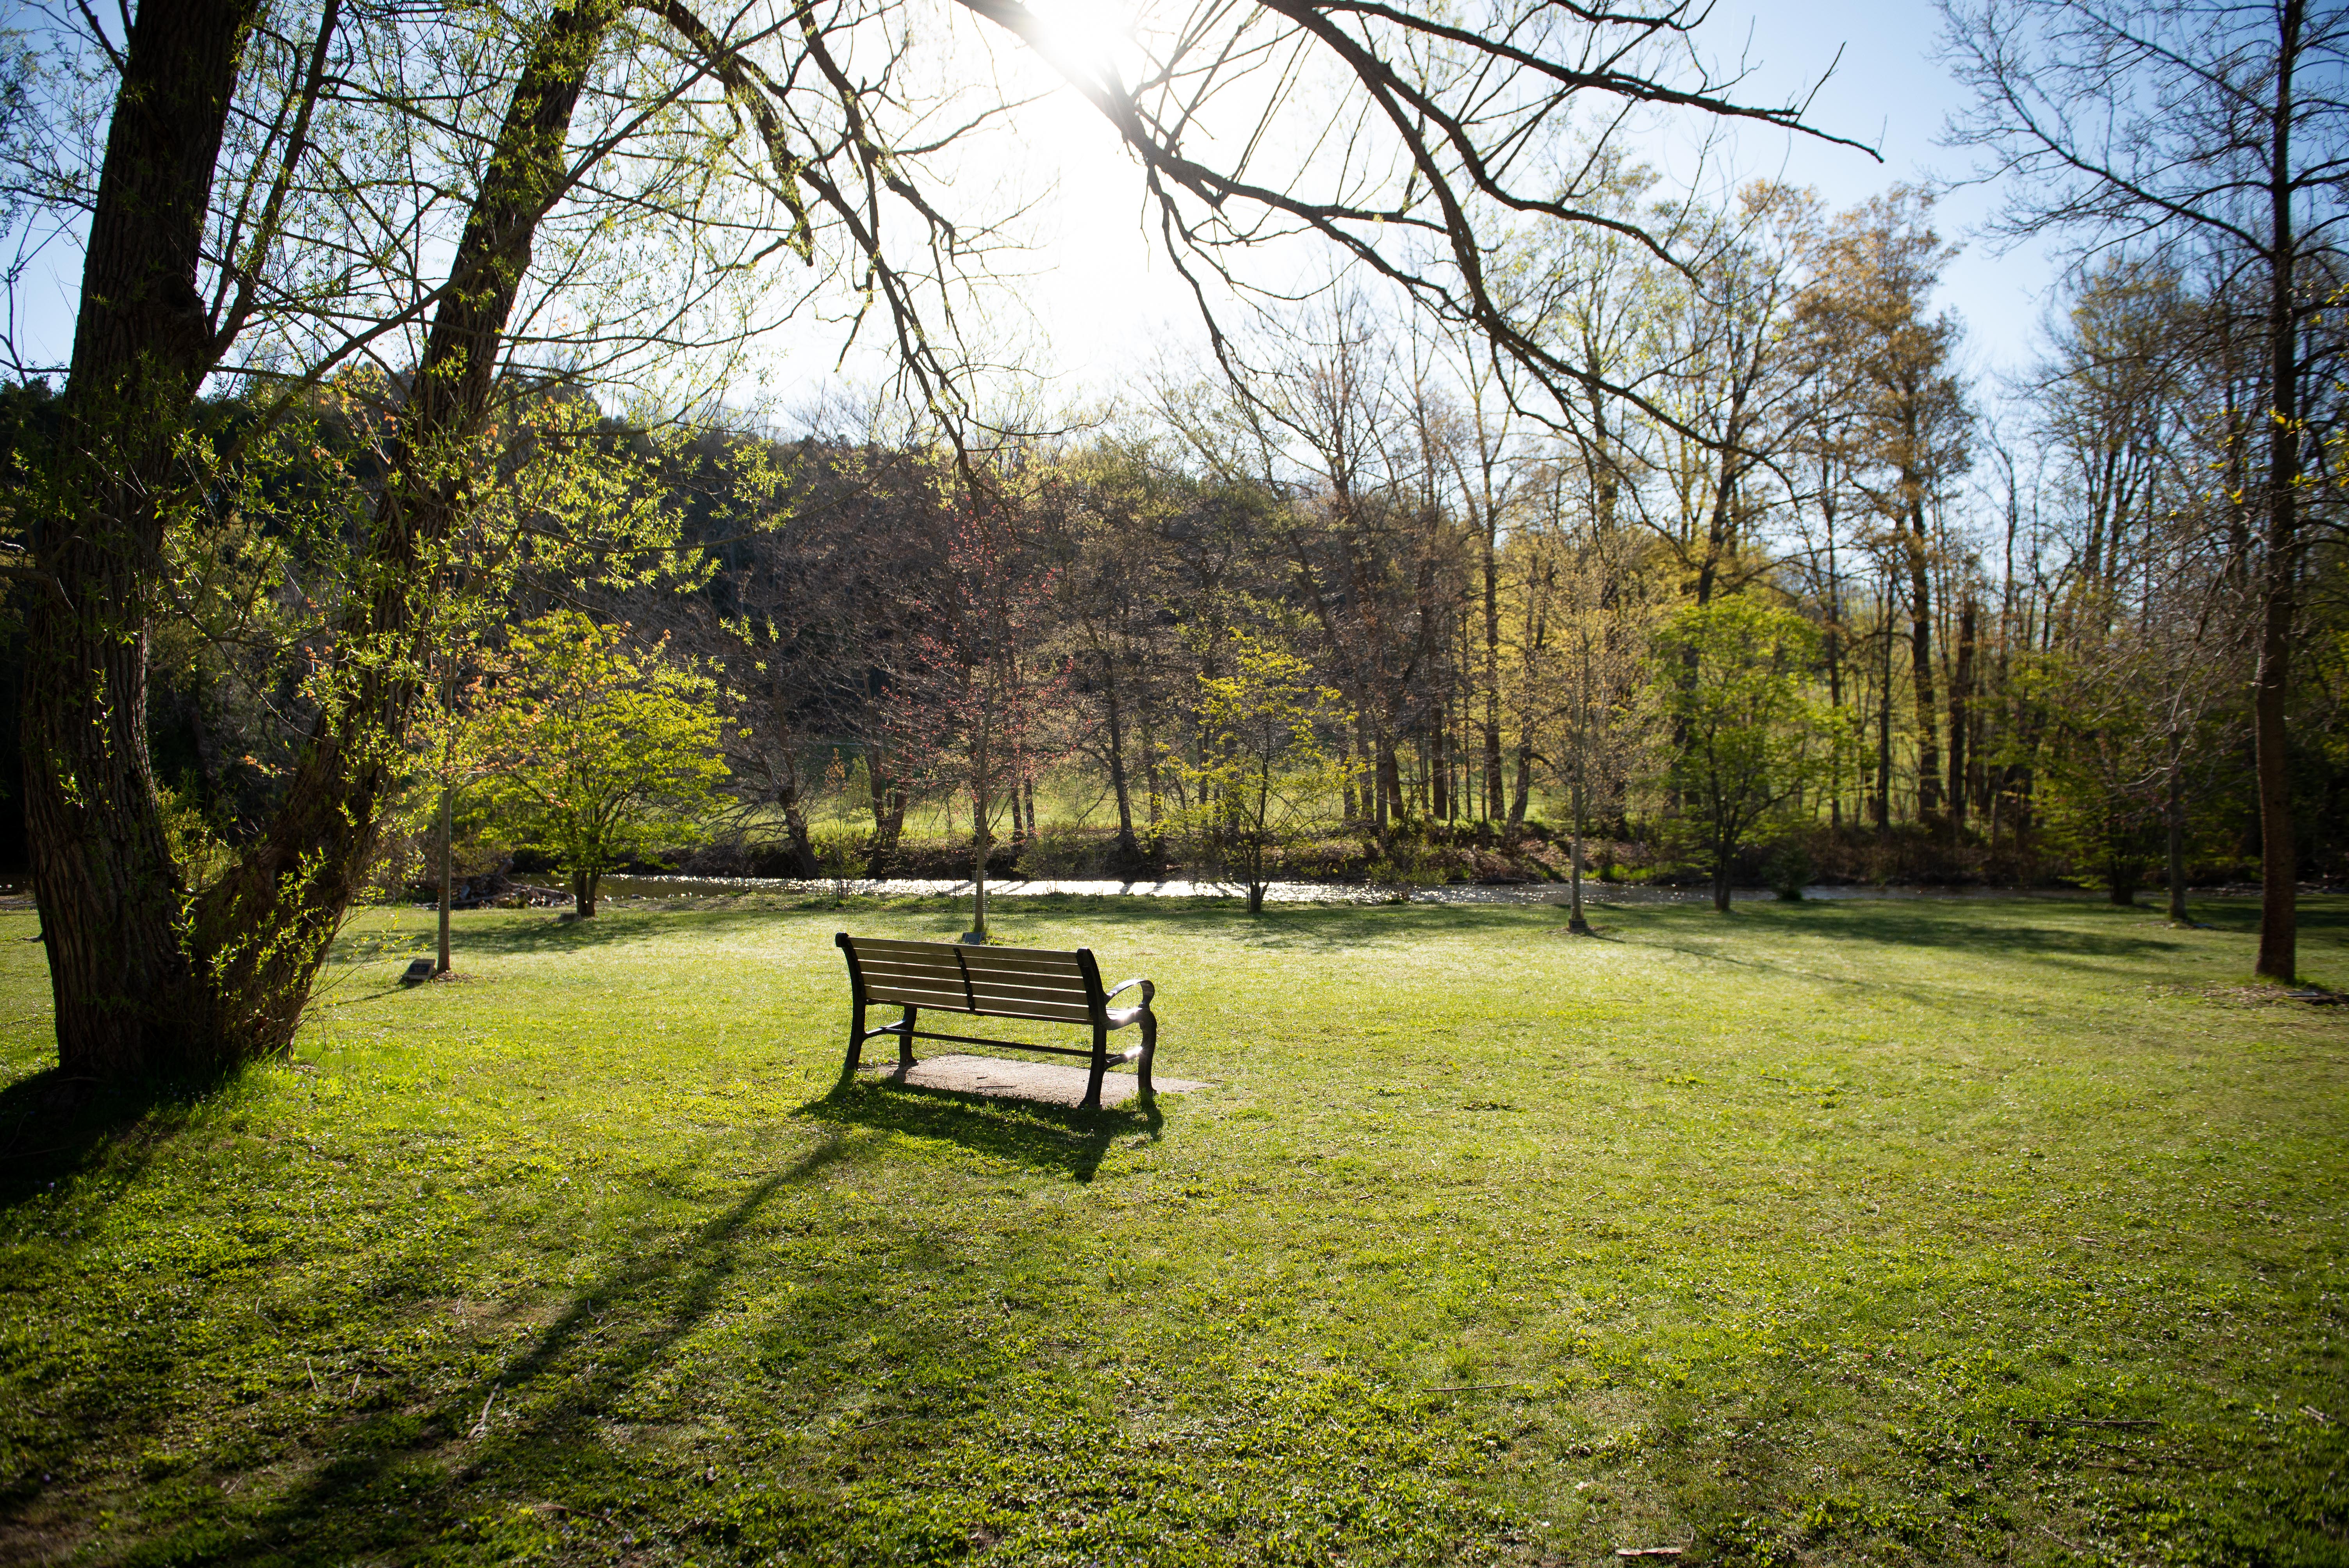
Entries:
{"x":1890,"y":92}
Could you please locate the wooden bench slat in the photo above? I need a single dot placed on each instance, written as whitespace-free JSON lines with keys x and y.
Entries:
{"x":981,"y":989}
{"x":942,"y":1002}
{"x":947,"y":963}
{"x":896,"y":963}
{"x":979,"y":997}
{"x":979,"y":958}
{"x":1047,"y":957}
{"x":919,"y":996}
{"x":890,"y":966}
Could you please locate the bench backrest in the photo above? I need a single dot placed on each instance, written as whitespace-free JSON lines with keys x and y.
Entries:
{"x":1043,"y":983}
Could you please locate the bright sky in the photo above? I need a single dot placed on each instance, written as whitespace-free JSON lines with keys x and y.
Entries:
{"x":1110,"y":307}
{"x":1107,"y":306}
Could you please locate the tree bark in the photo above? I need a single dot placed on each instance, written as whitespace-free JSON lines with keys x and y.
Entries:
{"x":1493,"y":802}
{"x":447,"y":870}
{"x":102,"y":872}
{"x":888,"y":816}
{"x":1574,"y":922}
{"x":1920,"y":671}
{"x":1884,"y":733}
{"x":2278,"y":957}
{"x":1961,"y":681}
{"x":263,"y":929}
{"x":2176,"y":824}
{"x":1126,"y":845}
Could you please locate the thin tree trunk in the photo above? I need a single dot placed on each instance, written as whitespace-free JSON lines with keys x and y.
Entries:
{"x":448,"y":858}
{"x":1921,"y":673}
{"x":1150,"y":784}
{"x":1575,"y":922}
{"x":1961,"y":679}
{"x":1884,"y":742}
{"x":981,"y":843}
{"x":1126,"y":845}
{"x":1439,"y":767}
{"x":2278,"y":957}
{"x":1494,"y":804}
{"x":888,"y":815}
{"x":2176,"y":871}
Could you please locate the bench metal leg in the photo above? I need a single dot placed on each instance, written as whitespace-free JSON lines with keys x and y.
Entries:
{"x":1149,"y":1022}
{"x":1101,"y":1069}
{"x":906,"y":1038}
{"x":855,"y":1042}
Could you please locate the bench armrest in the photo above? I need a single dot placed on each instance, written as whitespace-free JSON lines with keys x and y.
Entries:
{"x":1148,"y":992}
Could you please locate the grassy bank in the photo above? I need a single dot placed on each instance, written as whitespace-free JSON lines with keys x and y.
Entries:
{"x":1828,"y":1233}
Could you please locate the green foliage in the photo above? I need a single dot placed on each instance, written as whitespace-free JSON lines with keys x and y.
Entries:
{"x":600,"y":753}
{"x":2101,"y":769}
{"x":1732,"y":675}
{"x":1790,"y":868}
{"x":1266,"y":778}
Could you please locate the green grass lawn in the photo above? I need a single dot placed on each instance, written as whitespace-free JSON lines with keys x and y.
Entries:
{"x":1820,"y":1233}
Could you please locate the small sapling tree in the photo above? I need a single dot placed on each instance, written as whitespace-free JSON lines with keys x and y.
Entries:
{"x":1732,"y":673}
{"x":1266,"y":779}
{"x":841,"y":854}
{"x":601,"y":753}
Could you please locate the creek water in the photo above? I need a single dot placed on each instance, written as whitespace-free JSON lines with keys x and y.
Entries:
{"x":1593,"y":892}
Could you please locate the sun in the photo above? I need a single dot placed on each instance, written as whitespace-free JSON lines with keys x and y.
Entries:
{"x":1092,"y":36}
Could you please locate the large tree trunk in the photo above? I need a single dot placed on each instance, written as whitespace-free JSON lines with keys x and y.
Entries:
{"x":264,"y":928}
{"x":102,"y":872}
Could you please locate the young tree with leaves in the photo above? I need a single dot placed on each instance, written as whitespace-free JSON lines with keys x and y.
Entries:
{"x":600,"y":753}
{"x":1732,"y":676}
{"x":1267,"y":778}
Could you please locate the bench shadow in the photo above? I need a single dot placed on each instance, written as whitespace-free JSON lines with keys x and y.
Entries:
{"x":1057,"y":1138}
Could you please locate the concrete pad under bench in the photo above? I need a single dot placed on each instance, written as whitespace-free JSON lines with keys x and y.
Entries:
{"x":1045,"y":1081}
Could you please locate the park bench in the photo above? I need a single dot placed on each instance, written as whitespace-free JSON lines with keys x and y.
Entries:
{"x":1039,"y":982}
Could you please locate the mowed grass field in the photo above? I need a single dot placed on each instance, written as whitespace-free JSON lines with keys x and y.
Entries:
{"x":1823,"y":1233}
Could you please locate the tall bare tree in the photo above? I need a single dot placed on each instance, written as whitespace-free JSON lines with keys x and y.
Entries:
{"x":2178,"y":127}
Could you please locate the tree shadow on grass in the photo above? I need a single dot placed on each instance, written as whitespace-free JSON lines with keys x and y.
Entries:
{"x":526,"y":932}
{"x":1057,"y":1139}
{"x":1960,"y":928}
{"x":369,"y":1494}
{"x":54,"y":1126}
{"x":1898,"y":927}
